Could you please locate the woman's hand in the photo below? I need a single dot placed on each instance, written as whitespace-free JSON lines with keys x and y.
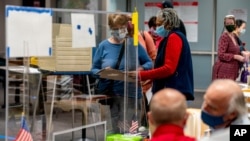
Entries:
{"x":239,"y":58}
{"x":132,"y":74}
{"x":245,"y":53}
{"x":140,"y":68}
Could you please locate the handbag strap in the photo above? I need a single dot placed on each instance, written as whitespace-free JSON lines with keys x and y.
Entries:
{"x":120,"y":56}
{"x":118,"y":62}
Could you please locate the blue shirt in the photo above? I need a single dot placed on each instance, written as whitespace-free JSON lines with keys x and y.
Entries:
{"x":107,"y":55}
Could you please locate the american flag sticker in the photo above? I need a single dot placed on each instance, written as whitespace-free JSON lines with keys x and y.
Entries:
{"x":134,"y":127}
{"x":24,"y":134}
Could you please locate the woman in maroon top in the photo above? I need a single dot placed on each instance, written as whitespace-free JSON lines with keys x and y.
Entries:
{"x":229,"y":55}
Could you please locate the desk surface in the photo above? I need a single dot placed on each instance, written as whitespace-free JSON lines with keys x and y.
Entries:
{"x":21,"y":69}
{"x":68,"y":72}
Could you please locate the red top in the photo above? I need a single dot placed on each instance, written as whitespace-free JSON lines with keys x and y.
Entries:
{"x":170,"y":132}
{"x":172,"y":55}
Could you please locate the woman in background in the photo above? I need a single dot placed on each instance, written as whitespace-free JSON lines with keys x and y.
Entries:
{"x":230,"y":56}
{"x":239,"y":31}
{"x":152,"y":27}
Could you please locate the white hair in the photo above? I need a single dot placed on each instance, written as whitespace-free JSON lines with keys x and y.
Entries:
{"x":237,"y":103}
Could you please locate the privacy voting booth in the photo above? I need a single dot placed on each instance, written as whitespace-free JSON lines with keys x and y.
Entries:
{"x":62,"y":41}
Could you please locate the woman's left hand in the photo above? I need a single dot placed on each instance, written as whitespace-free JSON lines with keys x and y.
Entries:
{"x":132,"y":74}
{"x":246,"y":55}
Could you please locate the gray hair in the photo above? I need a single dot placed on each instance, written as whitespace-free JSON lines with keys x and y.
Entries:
{"x":237,"y":103}
{"x":169,"y":18}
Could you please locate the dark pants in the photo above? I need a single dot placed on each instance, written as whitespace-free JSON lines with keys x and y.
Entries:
{"x":145,"y":110}
{"x":123,"y":112}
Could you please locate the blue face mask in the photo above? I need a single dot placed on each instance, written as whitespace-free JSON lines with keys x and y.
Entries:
{"x":161,"y":31}
{"x":211,"y":120}
{"x":242,"y":31}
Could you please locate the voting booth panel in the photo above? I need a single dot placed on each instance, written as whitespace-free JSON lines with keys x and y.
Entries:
{"x":62,"y":51}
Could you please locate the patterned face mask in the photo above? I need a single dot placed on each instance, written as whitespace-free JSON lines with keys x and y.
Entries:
{"x":120,"y":34}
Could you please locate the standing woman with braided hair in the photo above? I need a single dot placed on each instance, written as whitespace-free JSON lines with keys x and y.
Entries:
{"x":173,"y":65}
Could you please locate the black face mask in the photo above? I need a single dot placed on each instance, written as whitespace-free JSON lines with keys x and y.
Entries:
{"x":230,"y":28}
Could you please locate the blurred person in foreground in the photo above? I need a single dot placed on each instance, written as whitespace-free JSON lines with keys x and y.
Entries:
{"x":223,"y":105}
{"x":167,"y":116}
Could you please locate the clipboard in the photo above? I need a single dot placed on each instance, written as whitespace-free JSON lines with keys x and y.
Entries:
{"x":114,"y":74}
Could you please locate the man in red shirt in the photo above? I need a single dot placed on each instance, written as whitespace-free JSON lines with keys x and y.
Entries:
{"x":167,"y":116}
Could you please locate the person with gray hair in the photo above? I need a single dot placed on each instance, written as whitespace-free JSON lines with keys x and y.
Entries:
{"x":223,"y":105}
{"x":169,"y":4}
{"x":173,"y":64}
{"x":167,"y":116}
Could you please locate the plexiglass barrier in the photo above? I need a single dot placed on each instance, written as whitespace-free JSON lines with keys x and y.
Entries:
{"x":51,"y":74}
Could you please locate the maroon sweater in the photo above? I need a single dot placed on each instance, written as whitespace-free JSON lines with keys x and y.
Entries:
{"x":226,"y":66}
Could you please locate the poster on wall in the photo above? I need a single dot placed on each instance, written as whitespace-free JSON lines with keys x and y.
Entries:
{"x":83,"y":33}
{"x":78,"y":4}
{"x":150,"y":9}
{"x":239,"y":13}
{"x":187,"y":11}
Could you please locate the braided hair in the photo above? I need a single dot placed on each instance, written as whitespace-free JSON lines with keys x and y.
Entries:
{"x":169,"y":18}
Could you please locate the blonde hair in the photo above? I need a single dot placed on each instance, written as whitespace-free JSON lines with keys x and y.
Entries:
{"x":115,"y":20}
{"x":169,"y":17}
{"x":229,"y":17}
